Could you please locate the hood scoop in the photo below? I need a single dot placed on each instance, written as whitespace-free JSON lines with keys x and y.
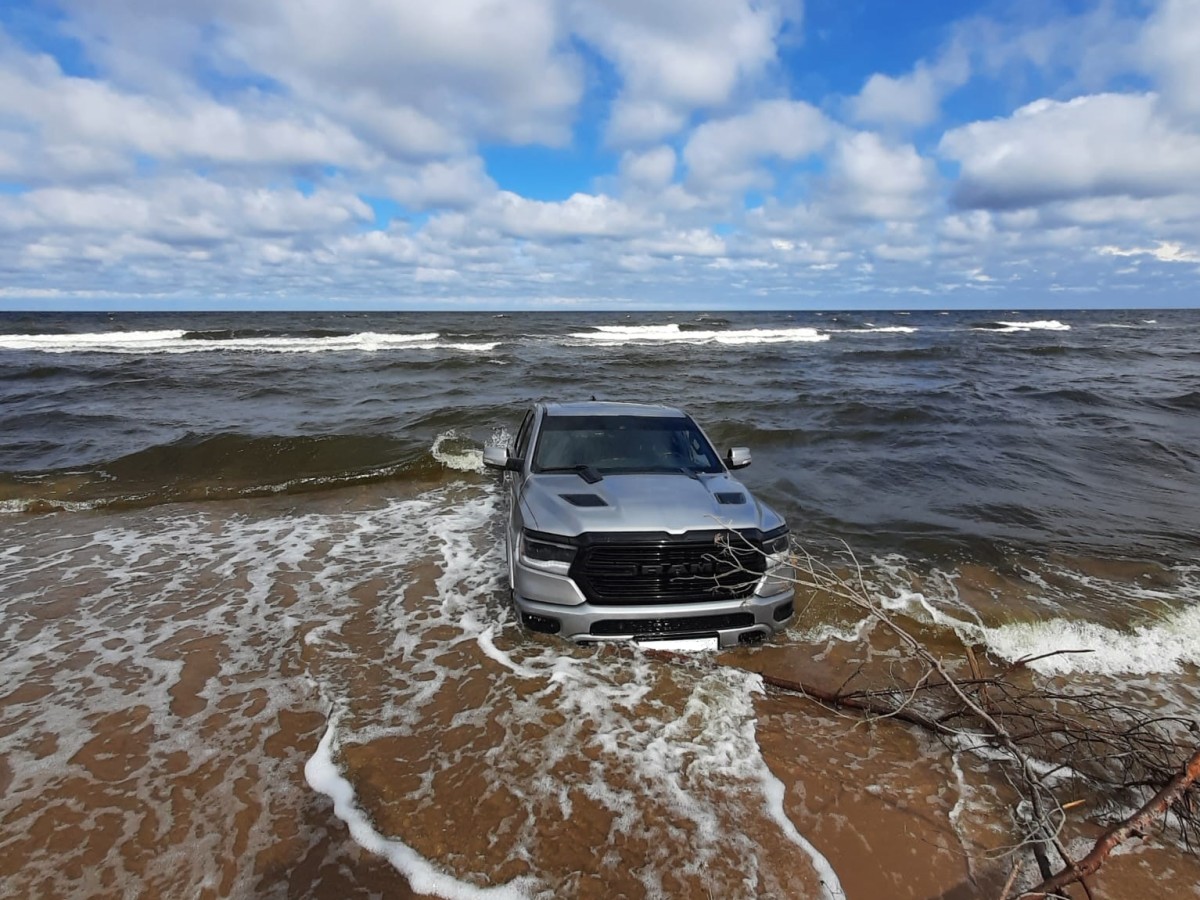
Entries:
{"x":730,"y":498}
{"x":584,"y":500}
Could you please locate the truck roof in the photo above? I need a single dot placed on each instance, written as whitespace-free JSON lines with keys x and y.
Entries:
{"x":610,"y":408}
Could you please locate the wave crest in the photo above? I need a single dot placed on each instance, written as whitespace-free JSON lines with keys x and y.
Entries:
{"x":229,"y":340}
{"x":1163,"y":647}
{"x":672,"y":333}
{"x":1010,"y":327}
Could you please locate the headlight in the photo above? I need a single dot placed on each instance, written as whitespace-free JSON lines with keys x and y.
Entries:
{"x":777,"y":546}
{"x":777,"y":541}
{"x":549,"y":555}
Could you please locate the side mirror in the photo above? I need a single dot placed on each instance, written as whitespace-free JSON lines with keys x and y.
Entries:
{"x":738,"y":457}
{"x":498,"y":458}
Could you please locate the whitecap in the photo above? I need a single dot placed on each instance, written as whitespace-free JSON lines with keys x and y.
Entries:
{"x":880,"y":329}
{"x":1039,"y":325}
{"x":1161,"y":647}
{"x":671,"y":333}
{"x":175,"y":342}
{"x":113,"y":341}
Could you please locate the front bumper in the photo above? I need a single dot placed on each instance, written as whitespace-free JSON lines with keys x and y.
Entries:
{"x":554,"y":604}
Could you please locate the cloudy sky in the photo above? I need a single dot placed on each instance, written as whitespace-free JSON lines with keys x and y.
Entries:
{"x":559,"y":153}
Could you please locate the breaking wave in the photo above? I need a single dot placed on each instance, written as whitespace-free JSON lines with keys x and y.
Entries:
{"x":1162,"y":647}
{"x":1163,"y":643}
{"x":228,"y":466}
{"x":1040,"y":325}
{"x":868,"y":328}
{"x":672,"y":333}
{"x":227,"y":340}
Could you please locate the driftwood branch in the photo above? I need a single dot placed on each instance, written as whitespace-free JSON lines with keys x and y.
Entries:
{"x":1135,"y":826}
{"x":857,"y":702}
{"x":1054,"y":739}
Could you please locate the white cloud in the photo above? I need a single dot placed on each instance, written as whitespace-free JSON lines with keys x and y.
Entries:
{"x":901,"y":252}
{"x":722,"y":154}
{"x":870,"y":179}
{"x":474,"y":67}
{"x":449,"y":184}
{"x":579,"y":216}
{"x":225,"y":148}
{"x":650,"y":170}
{"x":188,"y":211}
{"x":1165,"y":251}
{"x":677,"y":56}
{"x":1170,"y":48}
{"x":1164,"y":214}
{"x":694,"y":242}
{"x":418,"y":79}
{"x":27,"y":157}
{"x":820,"y":253}
{"x":82,"y":125}
{"x":971,"y":227}
{"x":145,"y":46}
{"x":1097,"y":145}
{"x":424,"y":275}
{"x":912,"y":99}
{"x":391,"y":246}
{"x":1081,"y":52}
{"x":644,"y":121}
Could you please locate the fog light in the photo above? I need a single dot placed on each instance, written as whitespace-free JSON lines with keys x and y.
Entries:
{"x":540,"y":624}
{"x":784,"y":611}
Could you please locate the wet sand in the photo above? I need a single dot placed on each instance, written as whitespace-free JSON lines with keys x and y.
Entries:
{"x":168,"y":674}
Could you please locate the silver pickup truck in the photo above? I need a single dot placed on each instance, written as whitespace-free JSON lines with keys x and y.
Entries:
{"x":625,"y":525}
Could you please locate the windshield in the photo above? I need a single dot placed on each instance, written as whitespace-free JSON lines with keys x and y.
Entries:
{"x":615,"y":444}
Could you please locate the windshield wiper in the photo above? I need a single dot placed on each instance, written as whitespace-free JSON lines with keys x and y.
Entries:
{"x":587,"y":473}
{"x":689,"y":472}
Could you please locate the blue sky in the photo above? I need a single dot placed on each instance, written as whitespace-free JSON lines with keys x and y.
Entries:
{"x":599,"y":153}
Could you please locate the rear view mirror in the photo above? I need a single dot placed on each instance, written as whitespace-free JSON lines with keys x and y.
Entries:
{"x":498,"y":458}
{"x":738,"y":457}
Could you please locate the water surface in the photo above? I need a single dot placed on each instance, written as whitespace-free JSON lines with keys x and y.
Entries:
{"x":255,"y":638}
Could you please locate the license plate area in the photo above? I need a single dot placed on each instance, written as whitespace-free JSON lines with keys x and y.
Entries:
{"x":682,"y":645}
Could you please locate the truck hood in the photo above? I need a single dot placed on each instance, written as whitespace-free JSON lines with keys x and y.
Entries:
{"x":672,"y":502}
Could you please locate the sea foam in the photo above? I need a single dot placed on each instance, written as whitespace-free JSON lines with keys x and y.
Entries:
{"x":175,"y":342}
{"x":1164,"y":646}
{"x":672,"y":333}
{"x":463,"y":454}
{"x":688,"y":755}
{"x":1039,"y":325}
{"x":322,"y":776}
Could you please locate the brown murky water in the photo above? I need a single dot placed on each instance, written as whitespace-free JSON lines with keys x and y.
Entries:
{"x":327,"y":696}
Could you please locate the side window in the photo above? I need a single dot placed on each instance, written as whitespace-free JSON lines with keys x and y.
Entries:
{"x":522,"y":444}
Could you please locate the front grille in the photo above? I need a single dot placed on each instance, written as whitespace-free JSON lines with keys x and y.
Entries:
{"x":688,"y":625}
{"x":617,"y":573}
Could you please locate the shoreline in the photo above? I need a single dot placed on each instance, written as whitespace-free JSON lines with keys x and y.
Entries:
{"x":189,"y":689}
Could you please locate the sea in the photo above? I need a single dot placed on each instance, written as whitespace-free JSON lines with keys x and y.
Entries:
{"x":255,"y":638}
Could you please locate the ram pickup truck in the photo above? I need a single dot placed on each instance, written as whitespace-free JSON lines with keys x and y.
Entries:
{"x":624,"y":524}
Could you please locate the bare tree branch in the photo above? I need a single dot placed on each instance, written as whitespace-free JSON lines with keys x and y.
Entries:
{"x":1135,"y":826}
{"x":1055,"y":740}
